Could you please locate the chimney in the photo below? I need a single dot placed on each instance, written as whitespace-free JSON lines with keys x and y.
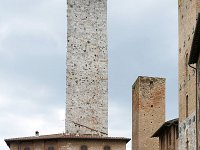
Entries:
{"x":37,"y":133}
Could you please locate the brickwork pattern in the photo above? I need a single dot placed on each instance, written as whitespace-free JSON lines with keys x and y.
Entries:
{"x":87,"y":65}
{"x":187,"y":76}
{"x":148,"y":112}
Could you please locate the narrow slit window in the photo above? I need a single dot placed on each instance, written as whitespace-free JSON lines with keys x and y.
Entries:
{"x":50,"y":148}
{"x":84,"y":147}
{"x":170,"y":137}
{"x":187,"y":106}
{"x":186,"y":65}
{"x":107,"y":148}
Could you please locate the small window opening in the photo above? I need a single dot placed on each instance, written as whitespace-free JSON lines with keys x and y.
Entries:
{"x":177,"y":133}
{"x":187,"y":103}
{"x":169,"y":138}
{"x":186,"y":65}
{"x":107,"y":148}
{"x":199,"y":110}
{"x":50,"y":148}
{"x":84,"y":147}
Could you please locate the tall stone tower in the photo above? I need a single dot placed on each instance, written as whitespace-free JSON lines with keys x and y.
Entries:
{"x":148,"y":104}
{"x":87,"y":68}
{"x":188,"y":10}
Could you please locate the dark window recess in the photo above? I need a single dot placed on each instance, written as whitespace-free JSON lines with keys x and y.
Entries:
{"x":199,"y":110}
{"x":107,"y":148}
{"x":186,"y":65}
{"x":151,"y":84}
{"x":194,"y":119}
{"x":27,"y":148}
{"x":198,"y":86}
{"x":190,"y":121}
{"x":84,"y":147}
{"x":177,"y":133}
{"x":187,"y":106}
{"x":198,"y":72}
{"x":50,"y":148}
{"x":169,"y":138}
{"x":187,"y":145}
{"x":184,"y":126}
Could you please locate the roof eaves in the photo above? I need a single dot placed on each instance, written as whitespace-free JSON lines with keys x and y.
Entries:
{"x":64,"y":136}
{"x":164,"y":126}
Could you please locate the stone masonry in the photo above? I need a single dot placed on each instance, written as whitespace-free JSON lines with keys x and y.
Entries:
{"x":87,"y":68}
{"x":148,"y":104}
{"x":67,"y":142}
{"x":188,"y":10}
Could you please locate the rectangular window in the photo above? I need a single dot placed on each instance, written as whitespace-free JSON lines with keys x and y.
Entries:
{"x":199,"y":109}
{"x":186,"y":66}
{"x":198,"y":88}
{"x":187,"y":145}
{"x":177,"y":133}
{"x":170,"y":137}
{"x":187,"y":106}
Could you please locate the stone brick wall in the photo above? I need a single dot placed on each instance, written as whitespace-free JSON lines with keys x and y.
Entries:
{"x":87,"y":65}
{"x":68,"y":145}
{"x":148,"y":112}
{"x":188,"y":10}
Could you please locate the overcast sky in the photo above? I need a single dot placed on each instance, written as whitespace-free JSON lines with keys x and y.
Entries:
{"x":143,"y":40}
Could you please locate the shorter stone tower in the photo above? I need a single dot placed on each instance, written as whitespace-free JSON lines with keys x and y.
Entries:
{"x":148,"y":102}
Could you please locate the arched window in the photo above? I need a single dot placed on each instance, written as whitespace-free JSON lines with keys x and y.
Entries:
{"x":106,"y":148}
{"x":84,"y":147}
{"x":50,"y":148}
{"x":26,"y":148}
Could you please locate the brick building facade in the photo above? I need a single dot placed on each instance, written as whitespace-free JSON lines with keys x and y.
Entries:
{"x":148,"y":103}
{"x":188,"y":10}
{"x":194,"y":62}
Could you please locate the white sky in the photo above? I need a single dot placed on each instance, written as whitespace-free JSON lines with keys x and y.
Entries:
{"x":143,"y":40}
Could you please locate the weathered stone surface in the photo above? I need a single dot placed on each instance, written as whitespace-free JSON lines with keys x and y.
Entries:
{"x":148,"y":112}
{"x":87,"y":65}
{"x":187,"y":133}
